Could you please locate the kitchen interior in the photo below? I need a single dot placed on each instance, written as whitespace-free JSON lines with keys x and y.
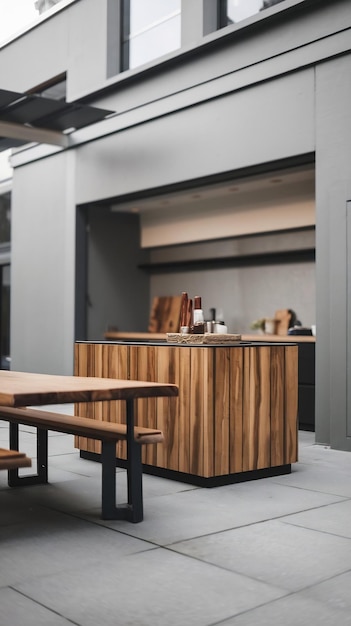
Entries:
{"x":245,"y":246}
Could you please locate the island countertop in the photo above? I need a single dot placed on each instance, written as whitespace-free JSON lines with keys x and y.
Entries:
{"x":113,"y":335}
{"x":236,"y":415}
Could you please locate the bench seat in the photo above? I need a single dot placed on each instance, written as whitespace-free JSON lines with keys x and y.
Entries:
{"x":107,"y":432}
{"x":10,"y":459}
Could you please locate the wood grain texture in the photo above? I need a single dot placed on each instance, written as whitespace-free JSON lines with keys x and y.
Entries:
{"x":291,"y":404}
{"x":12,"y":459}
{"x":277,"y":407}
{"x":165,"y":314}
{"x":236,"y":410}
{"x":25,"y":389}
{"x":221,"y":390}
{"x":183,"y":415}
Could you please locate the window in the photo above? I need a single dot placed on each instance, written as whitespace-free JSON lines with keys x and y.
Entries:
{"x":5,"y":218}
{"x":150,"y":30}
{"x":233,"y":11}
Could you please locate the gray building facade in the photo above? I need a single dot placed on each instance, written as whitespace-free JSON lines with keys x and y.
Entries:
{"x":236,"y":142}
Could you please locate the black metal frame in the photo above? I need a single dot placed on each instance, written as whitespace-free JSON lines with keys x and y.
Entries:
{"x":133,"y":510}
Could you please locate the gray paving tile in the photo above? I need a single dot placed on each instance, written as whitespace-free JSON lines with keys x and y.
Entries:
{"x":199,"y":512}
{"x":72,"y":462}
{"x":293,"y":610}
{"x":306,"y":438}
{"x":43,"y":542}
{"x":17,"y":609}
{"x":333,"y":593}
{"x":154,"y":588}
{"x":321,"y":469}
{"x":333,"y":518}
{"x":280,"y":554}
{"x":69,"y":493}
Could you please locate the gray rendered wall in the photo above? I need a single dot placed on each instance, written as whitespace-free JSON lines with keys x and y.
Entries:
{"x":333,"y":192}
{"x":43,"y":266}
{"x":244,"y":293}
{"x":267,"y":94}
{"x":265,"y":122}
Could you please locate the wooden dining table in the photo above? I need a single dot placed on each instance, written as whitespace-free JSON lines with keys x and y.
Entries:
{"x":30,"y":389}
{"x":24,"y":389}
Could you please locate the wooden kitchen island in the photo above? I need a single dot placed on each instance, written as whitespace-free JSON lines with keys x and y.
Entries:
{"x":235,"y":418}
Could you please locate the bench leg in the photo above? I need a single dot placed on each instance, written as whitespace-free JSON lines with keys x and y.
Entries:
{"x":133,"y":511}
{"x":14,"y":479}
{"x":134,"y":468}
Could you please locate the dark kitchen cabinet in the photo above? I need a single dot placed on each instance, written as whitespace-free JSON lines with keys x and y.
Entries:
{"x":306,"y":402}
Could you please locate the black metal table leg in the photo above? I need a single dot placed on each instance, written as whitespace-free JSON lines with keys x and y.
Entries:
{"x":14,"y":479}
{"x":133,"y":511}
{"x":134,"y":468}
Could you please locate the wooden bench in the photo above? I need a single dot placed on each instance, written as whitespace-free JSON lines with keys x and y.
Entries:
{"x":107,"y":432}
{"x":12,"y":459}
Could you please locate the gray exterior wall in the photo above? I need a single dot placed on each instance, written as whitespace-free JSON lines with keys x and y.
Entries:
{"x":261,"y":93}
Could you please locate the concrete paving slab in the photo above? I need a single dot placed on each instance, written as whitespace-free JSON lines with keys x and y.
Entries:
{"x":43,"y":542}
{"x":293,"y":610}
{"x":153,"y":588}
{"x":16,"y":609}
{"x":286,"y":556}
{"x":199,"y":512}
{"x":333,"y":518}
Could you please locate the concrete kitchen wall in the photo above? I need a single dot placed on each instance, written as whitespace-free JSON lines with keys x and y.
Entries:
{"x":244,"y":294}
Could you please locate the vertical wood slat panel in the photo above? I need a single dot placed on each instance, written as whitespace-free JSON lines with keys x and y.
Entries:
{"x":277,"y":406}
{"x":291,"y":403}
{"x":86,"y":367}
{"x":167,"y":409}
{"x":80,"y":369}
{"x":250,"y":411}
{"x":236,"y":411}
{"x":222,"y":360}
{"x":184,"y":382}
{"x":255,"y":393}
{"x":246,"y":407}
{"x":145,"y":413}
{"x":209,"y":415}
{"x":256,"y":412}
{"x":97,"y":364}
{"x":264,"y":408}
{"x":119,"y":362}
{"x":197,"y":412}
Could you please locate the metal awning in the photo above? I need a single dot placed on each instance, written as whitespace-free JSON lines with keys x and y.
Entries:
{"x":33,"y":118}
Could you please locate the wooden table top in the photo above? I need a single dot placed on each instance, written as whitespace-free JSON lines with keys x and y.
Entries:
{"x":28,"y":389}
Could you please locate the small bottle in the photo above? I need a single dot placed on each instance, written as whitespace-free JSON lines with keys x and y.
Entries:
{"x":198,"y":314}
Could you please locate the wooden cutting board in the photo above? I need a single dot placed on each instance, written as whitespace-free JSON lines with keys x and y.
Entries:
{"x":165,"y":314}
{"x":282,"y":321}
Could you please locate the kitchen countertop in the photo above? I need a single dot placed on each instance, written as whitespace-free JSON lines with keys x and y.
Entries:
{"x":113,"y":335}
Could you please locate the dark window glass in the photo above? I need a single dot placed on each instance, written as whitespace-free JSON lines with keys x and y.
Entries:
{"x":150,"y":30}
{"x":5,"y":218}
{"x":5,"y":279}
{"x":233,"y":11}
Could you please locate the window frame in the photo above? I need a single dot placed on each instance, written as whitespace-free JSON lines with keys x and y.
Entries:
{"x":124,"y":18}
